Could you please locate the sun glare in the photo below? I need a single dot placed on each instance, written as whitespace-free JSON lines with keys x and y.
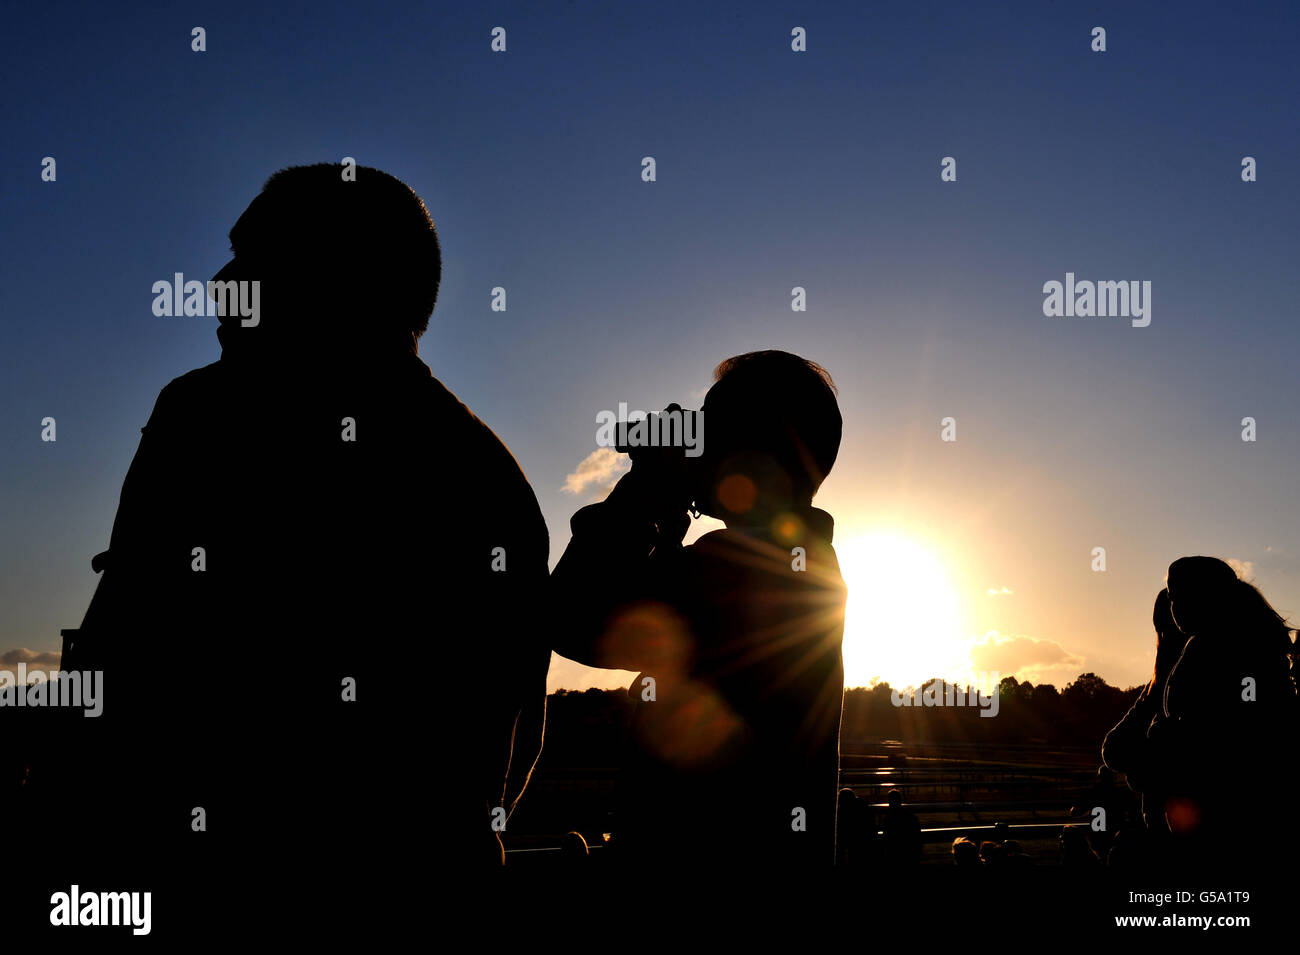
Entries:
{"x":903,"y":623}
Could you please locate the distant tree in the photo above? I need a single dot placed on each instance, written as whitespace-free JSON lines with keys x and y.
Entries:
{"x":1088,"y":686}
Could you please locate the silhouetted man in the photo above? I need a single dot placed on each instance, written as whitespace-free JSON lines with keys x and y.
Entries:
{"x":316,"y":611}
{"x":735,"y":753}
{"x":902,"y":833}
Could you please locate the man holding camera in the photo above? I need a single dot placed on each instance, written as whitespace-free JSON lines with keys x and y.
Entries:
{"x":734,"y":751}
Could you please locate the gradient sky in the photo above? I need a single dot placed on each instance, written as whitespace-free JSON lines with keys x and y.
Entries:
{"x":775,"y":169}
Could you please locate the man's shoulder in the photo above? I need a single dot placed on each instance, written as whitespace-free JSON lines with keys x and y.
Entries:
{"x":441,"y":400}
{"x":737,"y":558}
{"x":726,"y":543}
{"x":185,"y":396}
{"x":196,"y":382}
{"x":441,"y":403}
{"x":494,"y":467}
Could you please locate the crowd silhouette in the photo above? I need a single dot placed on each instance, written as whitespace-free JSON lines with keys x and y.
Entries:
{"x":307,"y":492}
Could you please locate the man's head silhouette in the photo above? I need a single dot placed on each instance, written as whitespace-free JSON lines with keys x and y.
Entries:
{"x":772,"y":433}
{"x":345,"y":265}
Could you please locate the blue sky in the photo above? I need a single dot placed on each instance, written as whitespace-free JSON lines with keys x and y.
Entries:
{"x":775,"y":169}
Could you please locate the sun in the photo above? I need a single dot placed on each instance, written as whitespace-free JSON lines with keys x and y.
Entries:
{"x":903,"y":623}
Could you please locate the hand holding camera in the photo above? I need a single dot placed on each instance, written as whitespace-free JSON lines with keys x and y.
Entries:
{"x":664,"y":448}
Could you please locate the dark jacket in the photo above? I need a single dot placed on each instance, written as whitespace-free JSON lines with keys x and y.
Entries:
{"x":1127,"y":750}
{"x":735,"y":758}
{"x":325,"y":560}
{"x":1219,"y":752}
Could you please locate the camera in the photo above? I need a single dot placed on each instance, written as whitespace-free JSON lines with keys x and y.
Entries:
{"x":670,"y":433}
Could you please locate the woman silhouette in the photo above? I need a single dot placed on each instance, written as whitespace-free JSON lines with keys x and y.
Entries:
{"x":1126,"y":749}
{"x":1226,"y":734}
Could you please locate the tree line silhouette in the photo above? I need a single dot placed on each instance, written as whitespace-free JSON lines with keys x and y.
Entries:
{"x":586,"y":725}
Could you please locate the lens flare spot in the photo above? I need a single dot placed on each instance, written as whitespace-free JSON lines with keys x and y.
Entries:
{"x":787,"y":529}
{"x":737,"y":493}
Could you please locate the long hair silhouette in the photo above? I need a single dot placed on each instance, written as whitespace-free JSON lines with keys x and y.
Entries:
{"x":1169,"y":642}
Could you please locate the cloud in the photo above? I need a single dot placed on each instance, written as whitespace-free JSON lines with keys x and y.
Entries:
{"x":45,"y":659}
{"x":1274,"y":562}
{"x":568,"y":675}
{"x":598,"y":471}
{"x":1026,"y":658}
{"x":1000,"y":592}
{"x":1245,"y":568}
